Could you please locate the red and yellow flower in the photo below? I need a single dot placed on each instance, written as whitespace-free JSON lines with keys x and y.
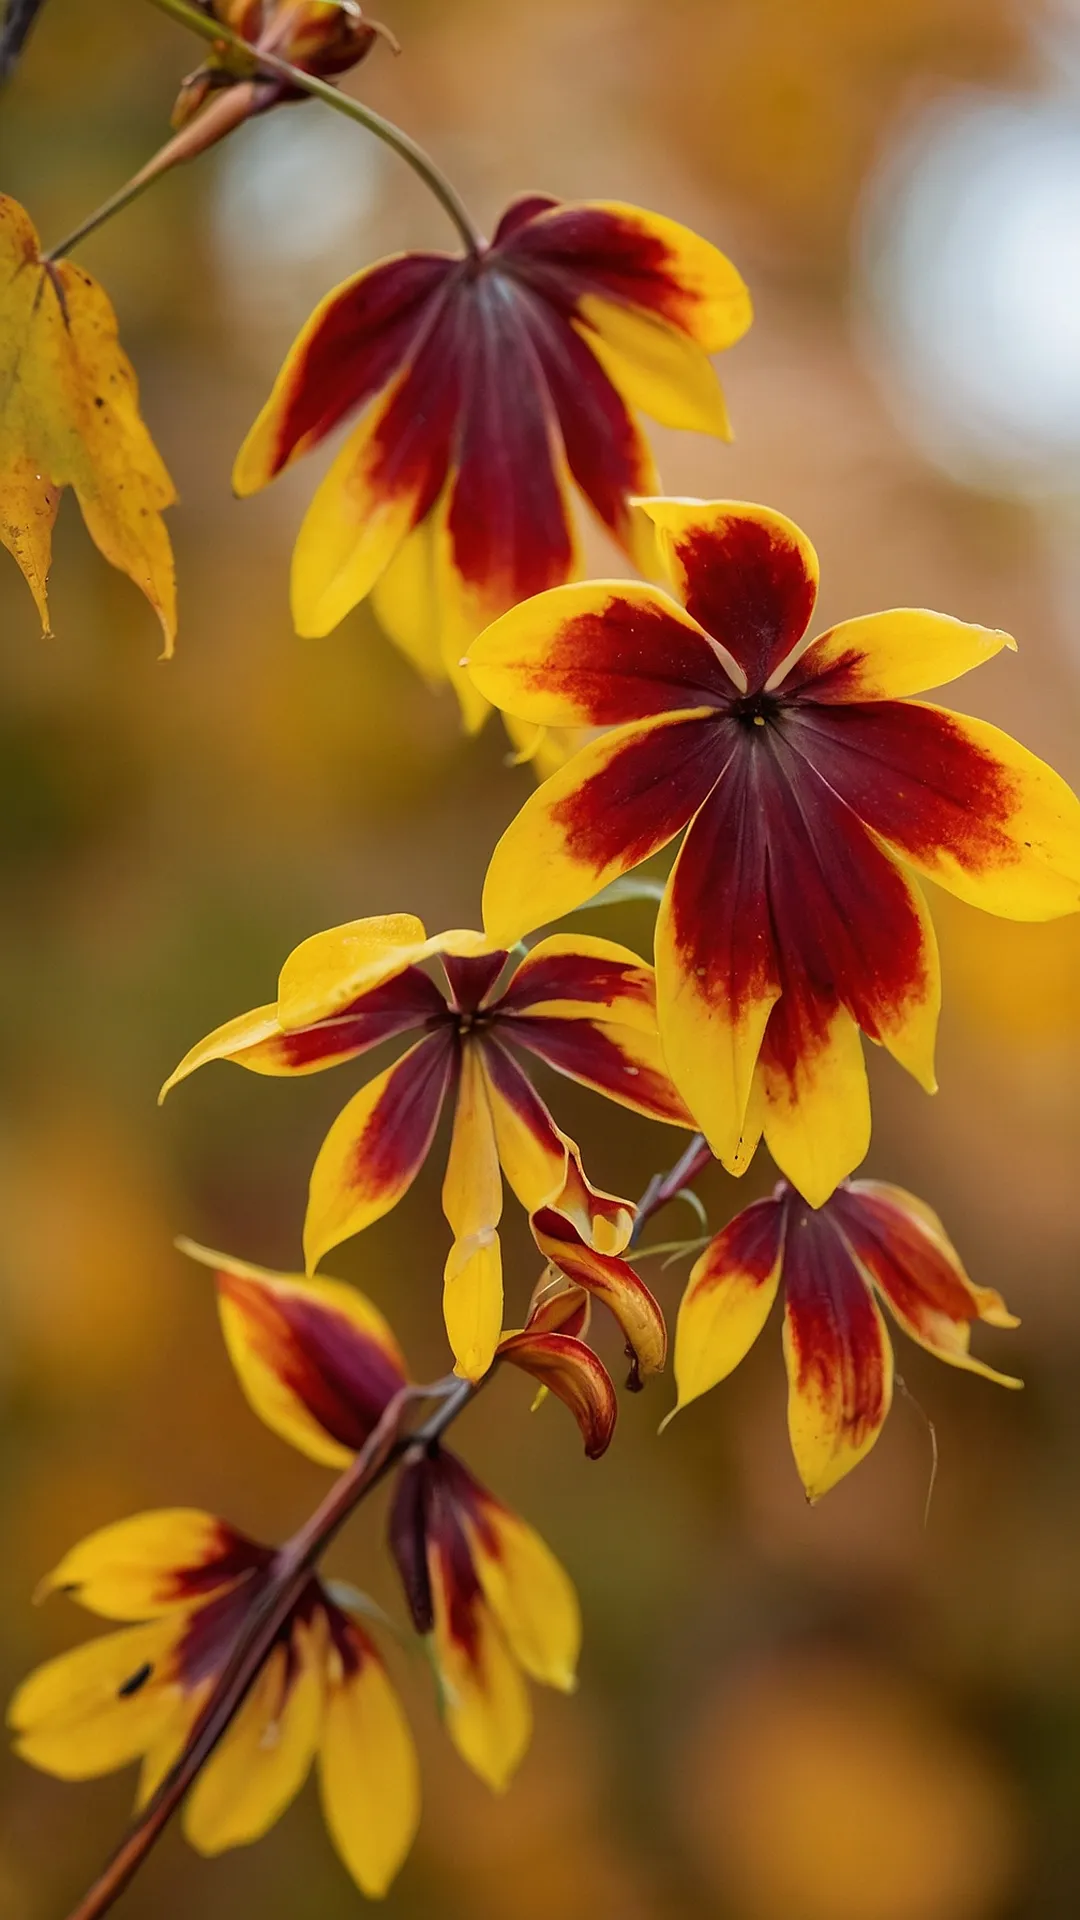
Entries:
{"x":582,"y":1005}
{"x":815,"y":790}
{"x":488,"y":385}
{"x":869,"y":1242}
{"x":189,"y":1581}
{"x":496,"y":1603}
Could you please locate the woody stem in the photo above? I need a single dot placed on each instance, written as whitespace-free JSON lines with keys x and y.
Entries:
{"x":256,"y":1638}
{"x":385,"y":130}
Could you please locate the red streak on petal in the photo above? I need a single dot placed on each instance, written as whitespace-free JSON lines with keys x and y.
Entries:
{"x":402,"y":1125}
{"x":748,"y":1246}
{"x":398,"y":1005}
{"x":230,"y":1555}
{"x":911,"y":772}
{"x":643,"y":796}
{"x":578,"y":250}
{"x":342,"y":1377}
{"x":836,"y":1338}
{"x":472,"y":979}
{"x":906,"y":1262}
{"x":583,"y":1051}
{"x":364,"y":337}
{"x":630,"y":662}
{"x":588,"y":977}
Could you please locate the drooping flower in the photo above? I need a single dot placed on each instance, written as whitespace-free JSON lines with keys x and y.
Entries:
{"x":487,"y":384}
{"x":869,"y":1242}
{"x":495,"y":1601}
{"x":318,"y":1363}
{"x":188,"y":1581}
{"x":584,"y":1006}
{"x":812,"y":784}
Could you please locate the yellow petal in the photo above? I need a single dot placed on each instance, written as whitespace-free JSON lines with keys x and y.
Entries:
{"x":405,"y":601}
{"x":98,"y":1707}
{"x":728,"y":1299}
{"x":369,"y":1780}
{"x":689,"y":280}
{"x":131,"y":1570}
{"x":472,"y":1203}
{"x":817,"y":1115}
{"x":837,"y":1351}
{"x":886,"y":656}
{"x":330,"y":970}
{"x":264,"y":1759}
{"x":485,"y":1700}
{"x":655,"y":367}
{"x":248,"y":1039}
{"x":531,"y":1596}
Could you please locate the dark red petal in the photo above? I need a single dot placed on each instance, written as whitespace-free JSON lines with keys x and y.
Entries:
{"x":342,"y":1378}
{"x":583,"y":249}
{"x":518,"y":214}
{"x":407,"y":1535}
{"x":747,"y":585}
{"x":365,"y":335}
{"x":233,"y":1556}
{"x":837,"y":1353}
{"x":398,"y":1005}
{"x":584,"y":1051}
{"x":572,"y":1371}
{"x":411,"y":448}
{"x":912,"y":774}
{"x":904,"y":1258}
{"x":605,"y":449}
{"x":470,"y":980}
{"x":721,"y":921}
{"x":643,"y":796}
{"x":590,"y":977}
{"x":508,"y":525}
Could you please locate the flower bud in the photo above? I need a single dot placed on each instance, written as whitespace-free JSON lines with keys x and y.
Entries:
{"x":322,"y":37}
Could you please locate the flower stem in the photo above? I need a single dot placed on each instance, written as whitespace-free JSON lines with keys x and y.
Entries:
{"x":664,"y":1186}
{"x":385,"y":130}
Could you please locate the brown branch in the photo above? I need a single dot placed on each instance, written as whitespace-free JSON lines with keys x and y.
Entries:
{"x":389,"y":1442}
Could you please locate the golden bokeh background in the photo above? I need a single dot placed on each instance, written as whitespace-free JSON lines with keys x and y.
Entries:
{"x":845,"y":1713}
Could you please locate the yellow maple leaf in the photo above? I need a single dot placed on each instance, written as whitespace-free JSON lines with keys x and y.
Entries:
{"x":69,"y":417}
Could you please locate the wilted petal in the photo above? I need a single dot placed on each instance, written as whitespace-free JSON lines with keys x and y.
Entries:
{"x":903,"y":1247}
{"x":369,"y":1780}
{"x":885,"y":656}
{"x":598,"y":655}
{"x":317,"y":1362}
{"x":957,"y":798}
{"x":572,"y":1371}
{"x":614,"y":804}
{"x":152,"y":1564}
{"x":728,"y":1298}
{"x":377,"y":1145}
{"x":746,"y":574}
{"x":353,"y":344}
{"x":837,"y":1350}
{"x":266,"y":1754}
{"x":611,"y":1281}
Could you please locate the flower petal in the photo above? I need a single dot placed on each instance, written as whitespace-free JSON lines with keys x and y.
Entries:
{"x":904,"y":1249}
{"x":610,"y":1280}
{"x":572,"y":1371}
{"x":330,"y":971}
{"x":369,"y":1779}
{"x":957,"y":798}
{"x":728,"y":1298}
{"x":836,"y":1347}
{"x":266,"y":1755}
{"x":621,"y":1062}
{"x":543,"y":1164}
{"x":577,"y":976}
{"x":472,"y":1203}
{"x":655,"y":367}
{"x":885,"y":656}
{"x":377,"y":1145}
{"x":352,"y":345}
{"x":597,"y":655}
{"x":746,"y":574}
{"x":406,"y":601}
{"x":528,"y":1591}
{"x":152,"y":1564}
{"x":316,"y":1361}
{"x":98,"y":1707}
{"x":616,"y":802}
{"x":816,"y":1114}
{"x":639,"y":259}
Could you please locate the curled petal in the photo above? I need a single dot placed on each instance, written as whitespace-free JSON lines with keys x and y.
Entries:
{"x":903,"y":1248}
{"x":614,"y":804}
{"x":369,"y":1779}
{"x":266,"y":1755}
{"x":317,"y":1362}
{"x":886,"y":656}
{"x":610,"y":1280}
{"x":98,"y":1707}
{"x":958,"y":799}
{"x":377,"y":1145}
{"x":837,"y":1350}
{"x":572,"y":1371}
{"x":728,"y":1298}
{"x":542,"y":1164}
{"x":153,"y":1563}
{"x":598,"y":655}
{"x":557,"y":1308}
{"x":746,"y":574}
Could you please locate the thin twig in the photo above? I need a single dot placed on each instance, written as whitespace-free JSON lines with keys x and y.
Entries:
{"x":664,"y":1186}
{"x":19,"y":17}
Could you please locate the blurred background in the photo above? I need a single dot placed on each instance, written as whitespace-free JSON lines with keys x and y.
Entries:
{"x":839,"y":1714}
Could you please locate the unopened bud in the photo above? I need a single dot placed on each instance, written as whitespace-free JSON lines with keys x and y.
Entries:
{"x":323,"y":37}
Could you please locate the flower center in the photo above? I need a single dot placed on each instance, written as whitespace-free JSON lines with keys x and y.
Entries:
{"x":755,"y":709}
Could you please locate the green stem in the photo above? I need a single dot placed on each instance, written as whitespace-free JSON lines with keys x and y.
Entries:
{"x":385,"y":130}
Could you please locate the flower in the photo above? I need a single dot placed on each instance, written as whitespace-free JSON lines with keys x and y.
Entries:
{"x":486,"y":384}
{"x":868,"y":1241}
{"x":583,"y":1005}
{"x":324,"y":37}
{"x":189,"y":1581}
{"x":495,"y":1601}
{"x":813,"y":785}
{"x":319,"y":1365}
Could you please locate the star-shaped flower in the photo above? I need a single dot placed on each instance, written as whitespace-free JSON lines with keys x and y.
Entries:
{"x":815,"y":789}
